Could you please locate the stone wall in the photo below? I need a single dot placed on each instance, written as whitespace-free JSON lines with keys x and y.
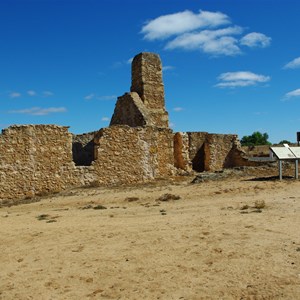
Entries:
{"x":130,"y":111}
{"x":182,"y":151}
{"x":217,"y":151}
{"x":35,"y":160}
{"x":146,"y":80}
{"x":204,"y":151}
{"x":196,"y":150}
{"x":128,"y":155}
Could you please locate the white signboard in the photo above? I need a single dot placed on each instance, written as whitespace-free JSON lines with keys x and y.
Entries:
{"x":283,"y":153}
{"x":296,"y":151}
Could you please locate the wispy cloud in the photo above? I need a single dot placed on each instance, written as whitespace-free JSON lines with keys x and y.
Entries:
{"x":129,"y":61}
{"x":31,"y":93}
{"x":256,"y":39}
{"x":15,"y":95}
{"x":168,"y":68}
{"x":209,"y":32}
{"x":292,"y":94}
{"x":38,"y":111}
{"x":260,"y":113}
{"x":93,"y":96}
{"x":47,"y":94}
{"x":240,"y":79}
{"x":294,"y":64}
{"x":119,"y":64}
{"x":177,"y":109}
{"x":105,"y":119}
{"x":214,"y":42}
{"x":89,"y":96}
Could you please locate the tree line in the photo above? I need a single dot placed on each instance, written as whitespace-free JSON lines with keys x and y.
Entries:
{"x":257,"y":138}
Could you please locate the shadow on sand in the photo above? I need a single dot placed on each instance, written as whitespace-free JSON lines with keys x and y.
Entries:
{"x":269,"y":178}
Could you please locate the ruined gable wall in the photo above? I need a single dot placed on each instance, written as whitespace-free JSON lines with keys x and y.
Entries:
{"x":218,"y":151}
{"x":35,"y":159}
{"x":130,"y":111}
{"x":129,"y":155}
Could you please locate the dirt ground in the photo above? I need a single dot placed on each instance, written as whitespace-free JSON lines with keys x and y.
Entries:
{"x":234,"y":237}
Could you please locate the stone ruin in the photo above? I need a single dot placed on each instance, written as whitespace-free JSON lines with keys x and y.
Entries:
{"x":138,"y":146}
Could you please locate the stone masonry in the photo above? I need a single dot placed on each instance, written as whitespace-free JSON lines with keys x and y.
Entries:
{"x":35,"y":160}
{"x":145,"y":104}
{"x":138,"y":146}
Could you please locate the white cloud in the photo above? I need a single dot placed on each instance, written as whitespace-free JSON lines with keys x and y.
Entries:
{"x":15,"y":95}
{"x":31,"y":93}
{"x":89,"y":97}
{"x":129,"y":61}
{"x":177,"y":109}
{"x":294,"y":64}
{"x":105,"y":119}
{"x":203,"y":31}
{"x":294,"y":93}
{"x":240,"y":79}
{"x":47,"y":94}
{"x":214,"y":42}
{"x":168,"y":68}
{"x":256,"y":39}
{"x":38,"y":111}
{"x":181,"y":22}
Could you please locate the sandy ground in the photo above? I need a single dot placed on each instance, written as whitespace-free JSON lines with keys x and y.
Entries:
{"x":234,"y":238}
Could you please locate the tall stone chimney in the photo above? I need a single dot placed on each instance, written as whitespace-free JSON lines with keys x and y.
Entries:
{"x":145,"y":104}
{"x":146,"y":80}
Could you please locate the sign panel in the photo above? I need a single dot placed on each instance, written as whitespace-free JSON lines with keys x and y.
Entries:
{"x":296,"y":151}
{"x":283,"y":153}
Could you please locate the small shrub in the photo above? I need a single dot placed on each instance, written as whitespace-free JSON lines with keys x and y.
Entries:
{"x":99,"y":207}
{"x":259,"y":204}
{"x":132,"y":199}
{"x":168,"y":197}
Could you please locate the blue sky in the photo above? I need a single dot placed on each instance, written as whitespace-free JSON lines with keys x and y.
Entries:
{"x":230,"y":66}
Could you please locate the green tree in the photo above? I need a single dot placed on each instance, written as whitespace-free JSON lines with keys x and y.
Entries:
{"x":257,"y":138}
{"x":284,"y":142}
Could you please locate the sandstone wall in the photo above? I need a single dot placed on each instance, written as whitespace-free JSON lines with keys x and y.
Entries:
{"x":218,"y":154}
{"x":35,"y":159}
{"x":208,"y":152}
{"x":128,"y":155}
{"x":196,"y":150}
{"x":146,"y":80}
{"x":130,"y":111}
{"x":182,"y":151}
